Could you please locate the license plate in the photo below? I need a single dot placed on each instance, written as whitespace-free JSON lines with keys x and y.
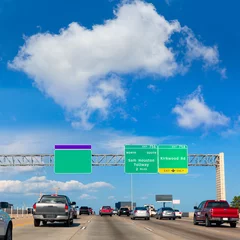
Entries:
{"x":225,"y":219}
{"x":50,"y":216}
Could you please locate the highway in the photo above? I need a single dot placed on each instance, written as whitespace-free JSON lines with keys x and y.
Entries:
{"x":123,"y":228}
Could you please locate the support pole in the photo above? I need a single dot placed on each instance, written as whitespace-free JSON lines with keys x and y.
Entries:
{"x":220,"y":178}
{"x":131,"y":193}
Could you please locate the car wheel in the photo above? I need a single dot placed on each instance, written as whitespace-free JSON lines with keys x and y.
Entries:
{"x":180,"y":217}
{"x":133,"y":218}
{"x":68,"y":223}
{"x":36,"y":223}
{"x":8,"y":235}
{"x":71,"y":222}
{"x":195,"y":221}
{"x":111,"y":215}
{"x":233,"y":224}
{"x":101,"y":215}
{"x":207,"y":222}
{"x":174,"y":219}
{"x":44,"y":223}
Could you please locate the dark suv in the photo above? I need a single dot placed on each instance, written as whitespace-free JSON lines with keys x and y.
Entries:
{"x":123,"y":211}
{"x":84,"y":210}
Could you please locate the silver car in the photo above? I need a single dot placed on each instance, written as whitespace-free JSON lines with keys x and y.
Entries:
{"x":165,"y":212}
{"x":140,"y":212}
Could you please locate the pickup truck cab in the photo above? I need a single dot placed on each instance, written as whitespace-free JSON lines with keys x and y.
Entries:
{"x":6,"y":225}
{"x":213,"y":211}
{"x":53,"y":208}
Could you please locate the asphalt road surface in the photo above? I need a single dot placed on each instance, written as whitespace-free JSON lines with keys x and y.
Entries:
{"x":123,"y":228}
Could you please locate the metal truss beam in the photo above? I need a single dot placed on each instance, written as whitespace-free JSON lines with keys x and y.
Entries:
{"x":44,"y":160}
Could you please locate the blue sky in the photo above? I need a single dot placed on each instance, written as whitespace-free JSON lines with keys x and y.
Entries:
{"x":110,"y":73}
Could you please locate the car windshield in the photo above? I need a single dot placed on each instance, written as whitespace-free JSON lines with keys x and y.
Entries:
{"x":53,"y":199}
{"x":141,"y":208}
{"x":217,"y":205}
{"x":167,"y":209}
{"x":106,"y":207}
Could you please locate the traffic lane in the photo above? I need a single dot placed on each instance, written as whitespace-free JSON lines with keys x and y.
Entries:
{"x":51,"y":231}
{"x":191,"y":220}
{"x":189,"y":231}
{"x":113,"y":228}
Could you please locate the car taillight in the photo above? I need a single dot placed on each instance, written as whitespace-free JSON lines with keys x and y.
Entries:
{"x":66,"y":208}
{"x":34,"y":207}
{"x":135,"y":211}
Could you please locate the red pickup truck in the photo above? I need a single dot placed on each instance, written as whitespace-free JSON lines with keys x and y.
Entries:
{"x":213,"y":211}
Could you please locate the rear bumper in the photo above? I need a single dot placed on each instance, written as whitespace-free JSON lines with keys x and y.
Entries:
{"x":225,"y":220}
{"x":169,"y":216}
{"x":141,"y":216}
{"x":106,"y":213}
{"x":56,"y":218}
{"x":84,"y":212}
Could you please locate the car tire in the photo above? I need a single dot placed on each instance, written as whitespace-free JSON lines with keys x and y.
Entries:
{"x":233,"y":224}
{"x":36,"y":223}
{"x":71,"y":222}
{"x":195,"y":221}
{"x":111,"y":215}
{"x":68,"y":223}
{"x":44,"y":223}
{"x":101,"y":215}
{"x":133,"y":218}
{"x":8,"y":235}
{"x":148,"y":218}
{"x":207,"y":222}
{"x":180,"y":217}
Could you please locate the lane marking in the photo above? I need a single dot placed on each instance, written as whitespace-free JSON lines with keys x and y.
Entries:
{"x":83,"y":228}
{"x":149,"y":229}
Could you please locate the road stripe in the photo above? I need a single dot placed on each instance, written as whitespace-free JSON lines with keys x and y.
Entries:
{"x":149,"y":229}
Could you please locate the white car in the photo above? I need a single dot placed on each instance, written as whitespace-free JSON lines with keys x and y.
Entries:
{"x":178,"y":214}
{"x":6,"y":225}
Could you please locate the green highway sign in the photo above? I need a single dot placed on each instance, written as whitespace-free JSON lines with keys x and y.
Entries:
{"x":173,"y":159}
{"x":141,"y":159}
{"x":73,"y":159}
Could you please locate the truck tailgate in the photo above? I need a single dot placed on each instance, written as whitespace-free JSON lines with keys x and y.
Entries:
{"x":225,"y":212}
{"x":47,"y":208}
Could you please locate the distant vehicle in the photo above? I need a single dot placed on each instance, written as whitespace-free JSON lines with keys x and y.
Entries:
{"x":151,"y":209}
{"x":90,"y":210}
{"x":84,"y":210}
{"x":140,"y":212}
{"x":106,"y":210}
{"x":178,"y":214}
{"x":124,"y":211}
{"x":213,"y":211}
{"x":6,"y":225}
{"x":75,"y":211}
{"x":29,"y":210}
{"x":53,"y":208}
{"x":115,"y":211}
{"x":165,"y":212}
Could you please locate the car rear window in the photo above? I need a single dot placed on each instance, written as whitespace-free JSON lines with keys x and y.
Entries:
{"x":84,"y":207}
{"x":217,"y":205}
{"x":106,"y":207}
{"x":124,"y":209}
{"x":53,"y":199}
{"x":167,"y":209}
{"x":176,"y":210}
{"x":141,"y":208}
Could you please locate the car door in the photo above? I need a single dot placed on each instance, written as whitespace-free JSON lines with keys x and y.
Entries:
{"x":198,"y":212}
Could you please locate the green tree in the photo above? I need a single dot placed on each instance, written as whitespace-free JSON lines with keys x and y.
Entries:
{"x":236,"y":202}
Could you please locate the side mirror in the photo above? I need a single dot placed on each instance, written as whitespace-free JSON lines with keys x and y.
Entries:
{"x":4,"y":205}
{"x":195,"y":207}
{"x":73,"y":203}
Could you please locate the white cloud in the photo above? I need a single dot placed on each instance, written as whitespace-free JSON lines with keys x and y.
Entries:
{"x":104,"y":140}
{"x":36,"y":184}
{"x":193,"y":112}
{"x":80,"y":68}
{"x":233,"y":130}
{"x":87,"y":197}
{"x":112,"y":198}
{"x":153,"y":87}
{"x":144,"y":198}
